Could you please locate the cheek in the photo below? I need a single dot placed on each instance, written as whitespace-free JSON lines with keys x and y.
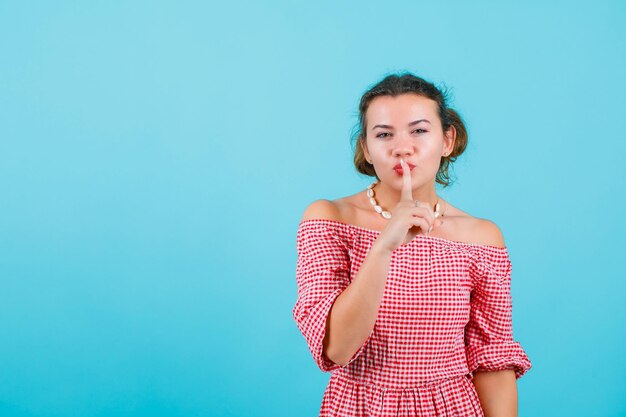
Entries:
{"x":430,"y":150}
{"x":375,"y":150}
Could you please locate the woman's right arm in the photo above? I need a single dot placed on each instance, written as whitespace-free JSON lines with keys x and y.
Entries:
{"x":353,"y":314}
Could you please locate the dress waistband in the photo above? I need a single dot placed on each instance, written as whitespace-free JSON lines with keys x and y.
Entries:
{"x":423,"y":385}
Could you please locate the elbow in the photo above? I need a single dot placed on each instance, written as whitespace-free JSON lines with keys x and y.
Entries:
{"x":337,"y":362}
{"x":330,"y":354}
{"x":339,"y":358}
{"x":340,"y":362}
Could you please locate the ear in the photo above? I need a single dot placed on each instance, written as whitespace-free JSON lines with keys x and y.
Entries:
{"x":448,"y":141}
{"x":366,"y":153}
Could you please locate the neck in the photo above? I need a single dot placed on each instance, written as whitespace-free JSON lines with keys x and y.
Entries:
{"x":388,"y":197}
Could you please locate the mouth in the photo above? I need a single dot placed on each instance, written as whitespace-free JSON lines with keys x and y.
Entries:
{"x":398,"y":168}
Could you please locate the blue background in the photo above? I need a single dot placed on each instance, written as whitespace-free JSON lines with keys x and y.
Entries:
{"x":156,"y":158}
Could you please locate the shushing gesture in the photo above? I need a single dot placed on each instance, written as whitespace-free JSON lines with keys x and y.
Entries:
{"x":408,"y":219}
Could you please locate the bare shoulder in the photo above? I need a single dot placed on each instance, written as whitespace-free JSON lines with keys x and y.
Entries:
{"x":462,"y":226}
{"x":488,"y":233}
{"x":322,"y":209}
{"x":473,"y":229}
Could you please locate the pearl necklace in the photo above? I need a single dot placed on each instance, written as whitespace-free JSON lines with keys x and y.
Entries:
{"x":385,"y":213}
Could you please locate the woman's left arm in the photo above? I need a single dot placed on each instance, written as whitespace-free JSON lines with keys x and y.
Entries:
{"x":497,"y":391}
{"x":494,"y":357}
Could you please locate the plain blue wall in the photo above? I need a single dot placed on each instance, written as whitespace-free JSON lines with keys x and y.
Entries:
{"x":156,"y":158}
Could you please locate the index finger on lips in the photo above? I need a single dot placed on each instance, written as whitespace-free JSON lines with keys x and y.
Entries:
{"x":407,"y":186}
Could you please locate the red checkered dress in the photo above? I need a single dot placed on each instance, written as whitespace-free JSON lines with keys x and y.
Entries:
{"x":445,"y":312}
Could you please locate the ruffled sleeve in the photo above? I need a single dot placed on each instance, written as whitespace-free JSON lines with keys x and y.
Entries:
{"x":322,"y":273}
{"x":489,"y":343}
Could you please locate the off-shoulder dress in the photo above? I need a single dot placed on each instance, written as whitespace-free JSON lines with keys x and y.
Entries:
{"x":446,"y":312}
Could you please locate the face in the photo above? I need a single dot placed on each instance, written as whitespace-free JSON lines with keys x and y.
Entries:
{"x":408,"y":127}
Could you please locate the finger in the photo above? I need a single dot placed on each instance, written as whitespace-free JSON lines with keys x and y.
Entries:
{"x":430,"y":211}
{"x":431,"y":214}
{"x":435,"y":223}
{"x":438,"y":223}
{"x":421,"y":223}
{"x":407,"y":186}
{"x":422,"y":211}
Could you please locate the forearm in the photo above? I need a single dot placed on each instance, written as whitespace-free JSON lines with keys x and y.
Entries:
{"x":497,"y":392}
{"x":354,"y":312}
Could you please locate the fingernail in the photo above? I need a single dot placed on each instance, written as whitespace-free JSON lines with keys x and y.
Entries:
{"x":430,"y":229}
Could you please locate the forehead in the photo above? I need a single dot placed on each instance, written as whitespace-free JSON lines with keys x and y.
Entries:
{"x":401,"y":109}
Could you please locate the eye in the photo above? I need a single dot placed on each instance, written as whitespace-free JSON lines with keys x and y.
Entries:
{"x":380,"y":135}
{"x":421,"y":130}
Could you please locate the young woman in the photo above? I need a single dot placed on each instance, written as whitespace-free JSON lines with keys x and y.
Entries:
{"x":404,"y":297}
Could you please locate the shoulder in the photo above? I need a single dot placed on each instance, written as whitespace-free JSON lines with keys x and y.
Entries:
{"x":487,"y":232}
{"x":322,"y":237}
{"x":322,"y":209}
{"x":475,"y":229}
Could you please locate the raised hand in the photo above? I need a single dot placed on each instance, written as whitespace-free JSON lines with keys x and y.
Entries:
{"x":408,"y":219}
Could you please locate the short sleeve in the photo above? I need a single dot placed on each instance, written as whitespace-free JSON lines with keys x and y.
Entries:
{"x":489,"y":343}
{"x":322,"y":273}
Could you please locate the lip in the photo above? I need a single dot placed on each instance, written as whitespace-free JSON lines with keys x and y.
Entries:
{"x":398,"y":167}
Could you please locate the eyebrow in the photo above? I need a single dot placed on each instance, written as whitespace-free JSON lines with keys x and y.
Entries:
{"x":410,"y":124}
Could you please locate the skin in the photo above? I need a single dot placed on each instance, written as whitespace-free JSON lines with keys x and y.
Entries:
{"x":422,"y":144}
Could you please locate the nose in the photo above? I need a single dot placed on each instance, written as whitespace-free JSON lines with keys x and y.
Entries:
{"x":399,"y":153}
{"x":404,"y":147}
